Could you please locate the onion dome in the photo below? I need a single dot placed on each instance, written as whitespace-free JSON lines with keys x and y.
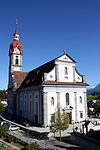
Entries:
{"x":15,"y":44}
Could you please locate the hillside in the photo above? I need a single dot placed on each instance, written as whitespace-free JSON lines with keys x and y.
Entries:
{"x":96,"y":89}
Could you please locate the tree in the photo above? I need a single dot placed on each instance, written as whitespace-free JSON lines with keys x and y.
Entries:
{"x":32,"y":146}
{"x":1,"y":108}
{"x":3,"y":94}
{"x":58,"y":121}
{"x":96,"y":109}
{"x":3,"y":131}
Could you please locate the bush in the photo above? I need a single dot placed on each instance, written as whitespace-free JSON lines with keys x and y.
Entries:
{"x":33,"y":146}
{"x":3,"y":131}
{"x":9,"y":138}
{"x":1,"y":108}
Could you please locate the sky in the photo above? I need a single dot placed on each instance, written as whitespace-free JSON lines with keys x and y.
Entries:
{"x":46,"y":28}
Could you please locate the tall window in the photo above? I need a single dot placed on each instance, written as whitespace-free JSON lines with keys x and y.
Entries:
{"x":30,"y":107}
{"x":66,"y":71}
{"x":36,"y":108}
{"x":81,"y":114}
{"x":25,"y":107}
{"x":52,"y":100}
{"x":67,"y":98}
{"x":16,"y":60}
{"x":80,"y":99}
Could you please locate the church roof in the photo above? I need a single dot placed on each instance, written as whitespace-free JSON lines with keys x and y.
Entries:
{"x":34,"y":77}
{"x":19,"y":78}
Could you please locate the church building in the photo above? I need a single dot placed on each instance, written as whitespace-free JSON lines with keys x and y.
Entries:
{"x":35,"y":95}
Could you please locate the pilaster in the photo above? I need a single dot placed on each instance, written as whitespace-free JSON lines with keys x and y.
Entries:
{"x":75,"y":101}
{"x":73,"y":73}
{"x":45,"y":76}
{"x":45,"y":109}
{"x":57,"y":72}
{"x":85,"y":104}
{"x":58,"y":98}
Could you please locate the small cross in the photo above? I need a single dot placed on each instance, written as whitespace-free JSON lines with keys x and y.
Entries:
{"x":65,"y":51}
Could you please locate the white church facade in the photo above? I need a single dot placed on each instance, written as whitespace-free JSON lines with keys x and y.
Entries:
{"x":35,"y":95}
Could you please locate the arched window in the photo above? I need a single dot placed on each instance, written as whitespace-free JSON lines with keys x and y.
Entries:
{"x":67,"y":98}
{"x":80,"y":99}
{"x":66,"y":70}
{"x":52,"y":100}
{"x":16,"y":60}
{"x":30,"y":107}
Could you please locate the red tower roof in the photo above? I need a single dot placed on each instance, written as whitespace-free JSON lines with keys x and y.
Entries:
{"x":16,"y":42}
{"x":16,"y":30}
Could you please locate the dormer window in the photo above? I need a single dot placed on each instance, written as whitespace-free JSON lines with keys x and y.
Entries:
{"x":16,"y":60}
{"x":66,"y":70}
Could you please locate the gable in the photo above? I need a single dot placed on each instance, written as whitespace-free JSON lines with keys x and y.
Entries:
{"x":65,"y":58}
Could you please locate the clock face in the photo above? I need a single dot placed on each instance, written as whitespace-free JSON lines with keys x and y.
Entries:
{"x":16,"y":50}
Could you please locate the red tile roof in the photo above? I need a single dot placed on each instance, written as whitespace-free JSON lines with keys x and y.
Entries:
{"x":19,"y":78}
{"x":15,"y":44}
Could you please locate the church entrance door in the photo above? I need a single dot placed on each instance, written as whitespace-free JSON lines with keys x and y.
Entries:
{"x":69,"y":117}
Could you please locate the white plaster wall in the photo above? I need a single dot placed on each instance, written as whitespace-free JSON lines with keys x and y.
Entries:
{"x":10,"y":103}
{"x":63,"y":62}
{"x":15,"y":67}
{"x":51,"y":108}
{"x":72,"y":75}
{"x":80,"y":106}
{"x":28,"y":97}
{"x":51,"y":75}
{"x":52,"y":93}
{"x":78,"y":78}
{"x":65,"y":77}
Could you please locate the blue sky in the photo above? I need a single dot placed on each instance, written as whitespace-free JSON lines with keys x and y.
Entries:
{"x":47,"y":27}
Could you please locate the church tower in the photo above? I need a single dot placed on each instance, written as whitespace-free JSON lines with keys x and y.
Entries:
{"x":15,"y":57}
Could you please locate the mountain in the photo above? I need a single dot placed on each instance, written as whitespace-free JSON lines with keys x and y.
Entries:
{"x":92,"y":90}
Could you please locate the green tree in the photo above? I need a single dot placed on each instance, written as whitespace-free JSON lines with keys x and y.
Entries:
{"x":1,"y":108}
{"x":32,"y":146}
{"x":96,"y":108}
{"x":91,"y":97}
{"x":58,"y":121}
{"x":3,"y":94}
{"x":3,"y":131}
